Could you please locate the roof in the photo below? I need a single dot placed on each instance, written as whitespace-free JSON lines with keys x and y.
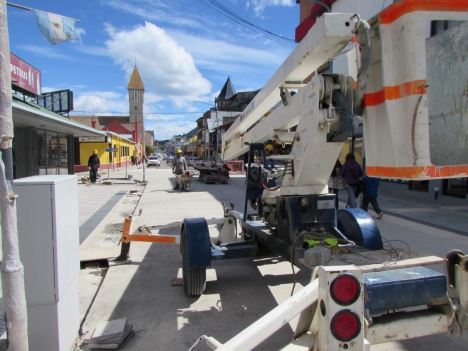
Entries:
{"x":135,"y":82}
{"x":117,"y":128}
{"x":103,"y":121}
{"x":28,"y":114}
{"x":227,"y":92}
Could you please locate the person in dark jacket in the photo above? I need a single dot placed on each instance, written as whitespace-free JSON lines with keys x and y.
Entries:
{"x":352,"y":173}
{"x":93,"y":164}
{"x":336,"y":183}
{"x":370,"y":194}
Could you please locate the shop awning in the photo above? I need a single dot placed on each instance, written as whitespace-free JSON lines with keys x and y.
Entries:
{"x":27,"y":114}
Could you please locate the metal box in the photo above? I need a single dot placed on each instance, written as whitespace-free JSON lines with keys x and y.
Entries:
{"x":48,"y":232}
{"x":402,"y":288}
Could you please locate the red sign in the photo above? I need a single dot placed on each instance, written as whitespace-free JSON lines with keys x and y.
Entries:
{"x":24,"y":77}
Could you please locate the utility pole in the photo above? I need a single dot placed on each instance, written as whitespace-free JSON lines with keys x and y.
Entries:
{"x":14,"y":299}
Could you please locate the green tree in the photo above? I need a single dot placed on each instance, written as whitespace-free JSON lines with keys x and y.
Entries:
{"x":149,"y":150}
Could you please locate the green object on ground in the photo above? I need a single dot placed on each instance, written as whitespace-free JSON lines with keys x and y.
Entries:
{"x":311,"y":242}
{"x":331,"y":242}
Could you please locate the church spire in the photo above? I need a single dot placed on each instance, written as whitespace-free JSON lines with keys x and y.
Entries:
{"x":227,"y":92}
{"x":135,"y":82}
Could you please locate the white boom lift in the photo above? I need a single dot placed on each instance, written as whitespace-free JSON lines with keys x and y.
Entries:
{"x":355,"y":306}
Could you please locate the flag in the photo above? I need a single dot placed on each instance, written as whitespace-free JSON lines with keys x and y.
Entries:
{"x":55,"y":28}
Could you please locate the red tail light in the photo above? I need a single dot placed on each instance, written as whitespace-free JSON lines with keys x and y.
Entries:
{"x":345,"y":325}
{"x":345,"y":289}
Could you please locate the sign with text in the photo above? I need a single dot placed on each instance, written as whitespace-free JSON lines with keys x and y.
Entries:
{"x":24,"y":77}
{"x":93,"y":139}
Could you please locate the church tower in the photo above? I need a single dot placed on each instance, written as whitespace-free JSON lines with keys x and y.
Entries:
{"x":136,"y":92}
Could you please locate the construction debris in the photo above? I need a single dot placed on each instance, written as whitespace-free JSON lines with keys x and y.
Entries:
{"x":213,"y":179}
{"x":110,"y":335}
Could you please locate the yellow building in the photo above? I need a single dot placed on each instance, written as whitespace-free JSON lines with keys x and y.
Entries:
{"x":122,"y":147}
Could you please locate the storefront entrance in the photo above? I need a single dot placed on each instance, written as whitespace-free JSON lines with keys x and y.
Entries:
{"x":52,"y":153}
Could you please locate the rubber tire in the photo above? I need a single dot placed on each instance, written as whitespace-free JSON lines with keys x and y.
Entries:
{"x":194,"y":278}
{"x":186,"y":186}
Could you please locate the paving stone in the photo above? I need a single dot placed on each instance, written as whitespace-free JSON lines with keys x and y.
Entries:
{"x":110,"y":329}
{"x":116,"y":340}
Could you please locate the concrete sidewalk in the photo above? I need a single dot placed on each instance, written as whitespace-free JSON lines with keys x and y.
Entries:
{"x":238,"y":291}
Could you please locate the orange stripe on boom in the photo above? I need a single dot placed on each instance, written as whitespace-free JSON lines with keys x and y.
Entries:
{"x":418,"y":172}
{"x":403,"y":7}
{"x":395,"y":92}
{"x":153,"y":238}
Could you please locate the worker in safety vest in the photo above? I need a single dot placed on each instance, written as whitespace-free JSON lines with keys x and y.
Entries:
{"x":179,"y":166}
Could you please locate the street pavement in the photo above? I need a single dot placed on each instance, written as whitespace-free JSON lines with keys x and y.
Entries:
{"x":238,"y":291}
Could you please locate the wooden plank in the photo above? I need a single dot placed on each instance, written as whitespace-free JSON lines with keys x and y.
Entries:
{"x":411,"y":262}
{"x":379,"y":260}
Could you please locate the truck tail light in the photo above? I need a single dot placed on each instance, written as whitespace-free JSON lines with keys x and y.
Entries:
{"x":345,"y":289}
{"x":345,"y":325}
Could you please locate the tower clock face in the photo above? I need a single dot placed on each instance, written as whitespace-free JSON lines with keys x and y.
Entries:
{"x":135,"y":107}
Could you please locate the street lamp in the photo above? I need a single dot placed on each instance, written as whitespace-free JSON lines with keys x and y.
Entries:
{"x":217,"y":123}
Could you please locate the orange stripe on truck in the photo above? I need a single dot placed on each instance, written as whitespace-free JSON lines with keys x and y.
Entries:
{"x":402,"y":7}
{"x":418,"y":172}
{"x":415,"y":87}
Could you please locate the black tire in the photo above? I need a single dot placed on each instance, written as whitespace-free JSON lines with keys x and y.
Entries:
{"x":187,"y":186}
{"x":194,"y":278}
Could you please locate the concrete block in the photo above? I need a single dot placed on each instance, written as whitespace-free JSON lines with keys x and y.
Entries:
{"x":110,"y":329}
{"x":316,"y":256}
{"x":117,"y":340}
{"x":111,"y":346}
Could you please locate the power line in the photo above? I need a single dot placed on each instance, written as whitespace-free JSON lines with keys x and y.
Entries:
{"x":241,"y":21}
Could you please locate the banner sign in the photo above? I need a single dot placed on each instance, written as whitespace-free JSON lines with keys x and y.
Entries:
{"x":24,"y":77}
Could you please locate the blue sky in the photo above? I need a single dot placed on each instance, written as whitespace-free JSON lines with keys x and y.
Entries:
{"x":184,"y":50}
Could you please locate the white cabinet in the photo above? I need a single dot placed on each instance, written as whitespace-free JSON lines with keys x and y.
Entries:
{"x":48,"y":232}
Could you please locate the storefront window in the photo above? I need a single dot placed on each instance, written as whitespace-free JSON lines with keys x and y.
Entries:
{"x":63,"y":164}
{"x":41,"y":150}
{"x":456,"y":187}
{"x":52,"y":153}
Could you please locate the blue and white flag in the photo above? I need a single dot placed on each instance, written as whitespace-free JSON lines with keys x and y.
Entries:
{"x":55,"y":28}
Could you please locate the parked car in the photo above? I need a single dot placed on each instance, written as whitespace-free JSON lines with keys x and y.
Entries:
{"x":153,"y":161}
{"x":169,"y":159}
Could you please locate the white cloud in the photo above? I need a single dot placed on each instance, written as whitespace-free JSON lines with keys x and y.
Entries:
{"x":168,"y":71}
{"x":157,"y":11}
{"x":103,"y":103}
{"x":259,"y":6}
{"x":39,"y":50}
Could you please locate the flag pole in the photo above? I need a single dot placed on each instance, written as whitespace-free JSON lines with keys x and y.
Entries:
{"x":14,"y":299}
{"x":31,"y":9}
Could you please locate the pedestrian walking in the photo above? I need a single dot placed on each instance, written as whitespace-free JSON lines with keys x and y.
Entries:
{"x":93,"y":163}
{"x":352,"y":174}
{"x":179,"y":166}
{"x":336,"y":182}
{"x":133,"y":160}
{"x":370,"y":194}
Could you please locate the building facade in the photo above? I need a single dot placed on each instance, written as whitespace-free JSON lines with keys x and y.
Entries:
{"x":131,"y":127}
